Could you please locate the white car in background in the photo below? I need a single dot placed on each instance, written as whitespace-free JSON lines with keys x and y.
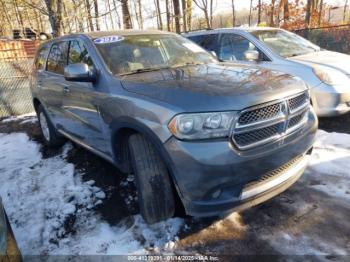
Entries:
{"x":327,"y":73}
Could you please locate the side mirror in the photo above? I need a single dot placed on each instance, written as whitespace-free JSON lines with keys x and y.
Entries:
{"x":252,"y":55}
{"x":79,"y":72}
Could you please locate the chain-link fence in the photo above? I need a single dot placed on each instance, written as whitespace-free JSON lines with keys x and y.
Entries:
{"x":16,"y":59}
{"x":335,"y":38}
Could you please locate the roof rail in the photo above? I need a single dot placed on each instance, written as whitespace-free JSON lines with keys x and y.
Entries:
{"x":197,"y":30}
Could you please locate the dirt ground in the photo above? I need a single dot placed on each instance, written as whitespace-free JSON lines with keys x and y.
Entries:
{"x":302,"y":220}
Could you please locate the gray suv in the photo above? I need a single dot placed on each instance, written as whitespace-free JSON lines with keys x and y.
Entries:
{"x":215,"y":137}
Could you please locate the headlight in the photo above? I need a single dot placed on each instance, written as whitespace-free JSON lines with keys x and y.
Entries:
{"x":330,"y":75}
{"x":3,"y":231}
{"x":201,"y":125}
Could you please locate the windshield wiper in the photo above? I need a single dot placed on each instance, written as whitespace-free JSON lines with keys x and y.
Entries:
{"x":142,"y":70}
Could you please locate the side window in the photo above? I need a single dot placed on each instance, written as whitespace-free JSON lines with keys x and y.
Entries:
{"x":78,"y":53}
{"x":233,"y":47}
{"x":208,"y":42}
{"x":41,"y":58}
{"x":57,"y":59}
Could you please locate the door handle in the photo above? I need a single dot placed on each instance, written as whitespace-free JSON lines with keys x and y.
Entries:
{"x":66,"y":89}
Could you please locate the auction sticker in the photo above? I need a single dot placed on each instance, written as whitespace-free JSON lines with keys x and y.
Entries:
{"x":108,"y":39}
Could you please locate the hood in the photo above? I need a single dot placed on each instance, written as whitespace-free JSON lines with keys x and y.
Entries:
{"x":214,"y":87}
{"x":327,"y":58}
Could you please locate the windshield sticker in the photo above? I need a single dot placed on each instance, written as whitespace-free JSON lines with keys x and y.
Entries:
{"x":108,"y":39}
{"x":193,"y":47}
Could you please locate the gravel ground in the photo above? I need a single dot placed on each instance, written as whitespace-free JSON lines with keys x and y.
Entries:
{"x":311,"y":218}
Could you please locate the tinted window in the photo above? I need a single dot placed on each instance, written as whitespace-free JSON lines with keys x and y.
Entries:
{"x":57,"y":59}
{"x":41,"y":58}
{"x":209,"y":42}
{"x":78,"y":53}
{"x":233,"y":47}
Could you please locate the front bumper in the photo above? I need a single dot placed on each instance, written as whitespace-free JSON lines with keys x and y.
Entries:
{"x":327,"y":101}
{"x":214,"y":177}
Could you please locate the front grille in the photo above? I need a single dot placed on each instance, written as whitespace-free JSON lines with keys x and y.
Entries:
{"x":295,"y":120}
{"x":263,"y":124}
{"x":298,"y":101}
{"x":255,"y":136}
{"x":260,"y":114}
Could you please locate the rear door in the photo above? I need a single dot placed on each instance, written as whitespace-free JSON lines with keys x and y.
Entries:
{"x":52,"y":81}
{"x":80,"y":102}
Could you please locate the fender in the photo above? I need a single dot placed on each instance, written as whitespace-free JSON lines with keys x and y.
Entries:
{"x":128,"y":122}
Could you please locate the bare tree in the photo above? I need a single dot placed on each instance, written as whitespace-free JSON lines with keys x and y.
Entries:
{"x":184,"y":15}
{"x":272,"y":12}
{"x":89,"y":15}
{"x":207,"y":7}
{"x":344,"y":13}
{"x":177,"y":15}
{"x":126,"y":14}
{"x":233,"y":13}
{"x":259,"y":11}
{"x":167,"y":10}
{"x":285,"y":5}
{"x":97,"y":17}
{"x":250,"y":12}
{"x":159,"y":15}
{"x":189,"y":14}
{"x":54,"y":9}
{"x":320,"y":11}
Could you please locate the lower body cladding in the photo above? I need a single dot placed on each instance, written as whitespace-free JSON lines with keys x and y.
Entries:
{"x":213,"y":177}
{"x":327,"y":101}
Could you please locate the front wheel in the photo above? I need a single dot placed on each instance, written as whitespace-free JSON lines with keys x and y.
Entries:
{"x":48,"y":131}
{"x":155,"y":192}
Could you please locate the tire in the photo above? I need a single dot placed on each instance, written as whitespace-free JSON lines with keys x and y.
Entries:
{"x":49,"y":133}
{"x":156,"y":199}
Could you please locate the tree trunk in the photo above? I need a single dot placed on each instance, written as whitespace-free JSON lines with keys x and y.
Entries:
{"x":211,"y":13}
{"x":320,"y":14}
{"x":184,"y":15}
{"x":189,"y":14}
{"x":167,"y":10}
{"x":344,"y":14}
{"x":272,"y":12}
{"x":140,"y":13}
{"x":285,"y":10}
{"x":250,"y":13}
{"x":233,"y":14}
{"x":54,"y":8}
{"x":97,"y":18}
{"x":126,"y":14}
{"x":159,"y":15}
{"x":110,"y":14}
{"x":89,"y":16}
{"x":308,"y":13}
{"x":177,"y":15}
{"x":259,"y":12}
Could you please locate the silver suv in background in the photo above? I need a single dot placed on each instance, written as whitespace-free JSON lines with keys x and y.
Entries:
{"x":216,"y":136}
{"x":326,"y":73}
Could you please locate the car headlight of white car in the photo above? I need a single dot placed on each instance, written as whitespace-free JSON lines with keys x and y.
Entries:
{"x":330,"y":76}
{"x":3,"y":231}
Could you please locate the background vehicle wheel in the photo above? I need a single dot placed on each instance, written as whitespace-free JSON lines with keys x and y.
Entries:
{"x":155,"y":193}
{"x":49,"y":132}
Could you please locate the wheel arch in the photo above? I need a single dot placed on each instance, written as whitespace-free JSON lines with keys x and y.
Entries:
{"x":121,"y":129}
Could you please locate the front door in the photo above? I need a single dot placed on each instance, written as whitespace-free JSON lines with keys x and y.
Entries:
{"x":80,"y":103}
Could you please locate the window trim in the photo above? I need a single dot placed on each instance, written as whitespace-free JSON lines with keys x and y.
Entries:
{"x":47,"y":59}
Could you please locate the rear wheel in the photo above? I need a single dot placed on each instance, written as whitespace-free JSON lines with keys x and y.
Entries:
{"x":50,"y":135}
{"x":155,"y":193}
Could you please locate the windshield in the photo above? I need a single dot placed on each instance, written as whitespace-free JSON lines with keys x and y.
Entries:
{"x":139,"y":53}
{"x":285,"y":43}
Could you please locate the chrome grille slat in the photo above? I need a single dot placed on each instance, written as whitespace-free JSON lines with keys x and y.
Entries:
{"x":269,"y":122}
